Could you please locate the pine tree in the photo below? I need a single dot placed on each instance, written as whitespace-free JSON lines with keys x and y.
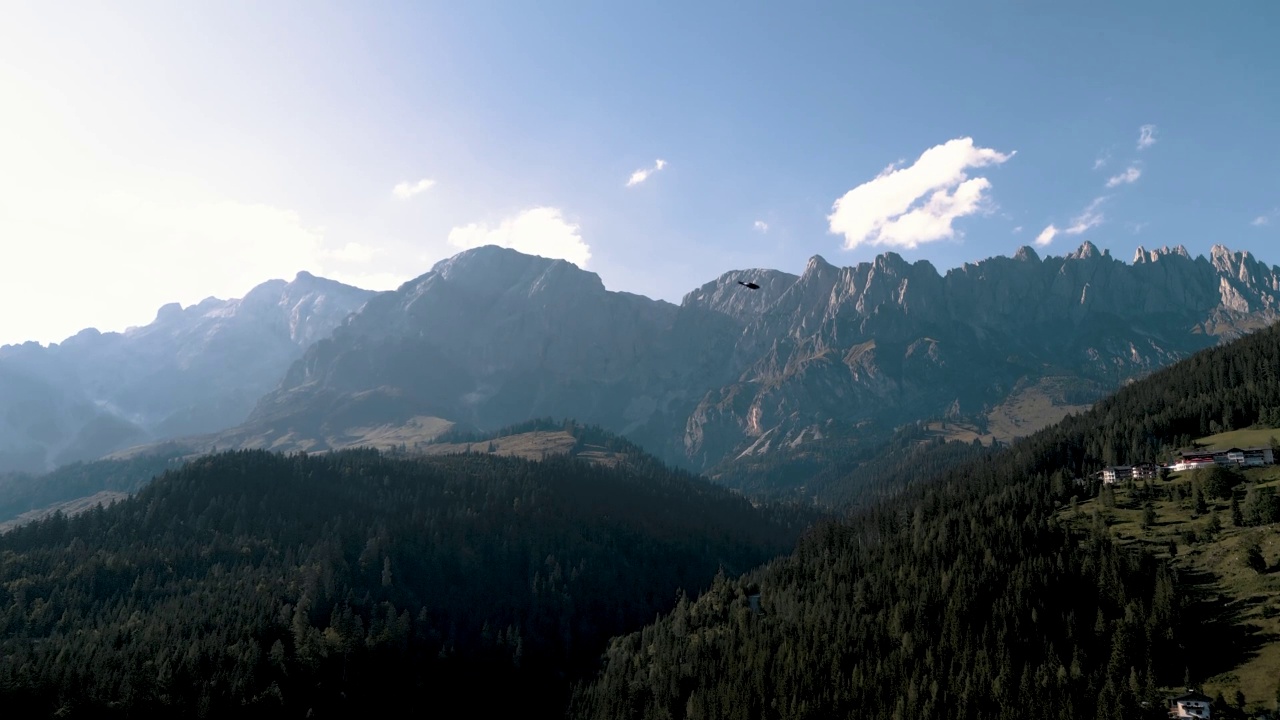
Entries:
{"x":1253,"y":558}
{"x":1148,"y":515}
{"x":1214,"y":525}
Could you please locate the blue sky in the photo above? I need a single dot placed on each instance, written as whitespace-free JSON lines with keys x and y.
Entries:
{"x":170,"y":151}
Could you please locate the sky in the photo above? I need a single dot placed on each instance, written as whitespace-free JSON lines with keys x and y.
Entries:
{"x":157,"y":152}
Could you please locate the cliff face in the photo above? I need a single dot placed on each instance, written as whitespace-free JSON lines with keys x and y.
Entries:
{"x":491,"y":337}
{"x":887,"y":342}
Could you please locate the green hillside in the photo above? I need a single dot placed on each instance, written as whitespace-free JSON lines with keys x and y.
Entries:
{"x":1250,"y":437}
{"x":981,"y":592}
{"x":1235,"y":604}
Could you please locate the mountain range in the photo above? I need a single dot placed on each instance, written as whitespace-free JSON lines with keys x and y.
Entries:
{"x":192,"y":370}
{"x":493,"y":337}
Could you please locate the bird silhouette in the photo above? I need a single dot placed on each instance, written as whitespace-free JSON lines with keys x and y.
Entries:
{"x":751,"y":285}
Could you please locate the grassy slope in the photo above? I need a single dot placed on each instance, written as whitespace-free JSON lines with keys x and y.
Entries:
{"x":70,"y":508}
{"x":1237,"y":610}
{"x":535,"y":445}
{"x":1033,"y":408}
{"x":1252,"y":437}
{"x":1028,"y":409}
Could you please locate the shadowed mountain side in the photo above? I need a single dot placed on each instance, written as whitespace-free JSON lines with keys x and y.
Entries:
{"x":356,"y":583}
{"x":491,"y":337}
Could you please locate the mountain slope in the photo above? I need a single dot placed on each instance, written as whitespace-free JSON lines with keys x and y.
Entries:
{"x":493,"y":337}
{"x":966,"y":595}
{"x":191,"y":370}
{"x":353,"y":583}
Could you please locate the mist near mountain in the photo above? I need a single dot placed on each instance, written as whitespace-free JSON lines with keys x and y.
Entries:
{"x":192,"y":370}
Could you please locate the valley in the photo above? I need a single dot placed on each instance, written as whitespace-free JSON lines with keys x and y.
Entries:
{"x":941,"y":536}
{"x":639,"y":361}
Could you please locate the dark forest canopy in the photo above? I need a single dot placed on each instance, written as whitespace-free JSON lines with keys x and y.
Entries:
{"x":254,"y":583}
{"x":21,"y":492}
{"x":843,"y":472}
{"x":964,"y":596}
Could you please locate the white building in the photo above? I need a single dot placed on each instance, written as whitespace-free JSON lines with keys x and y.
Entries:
{"x":1192,"y":705}
{"x":1233,"y":457}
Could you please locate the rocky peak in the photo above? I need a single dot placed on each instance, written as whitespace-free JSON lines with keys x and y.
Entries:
{"x":1087,"y":251}
{"x":264,"y":296}
{"x":1142,"y":255}
{"x":892,"y":263}
{"x":885,"y":281}
{"x":492,"y":270}
{"x":169,"y":312}
{"x":817,"y":265}
{"x":725,"y":296}
{"x":1026,"y":253}
{"x":1239,"y":266}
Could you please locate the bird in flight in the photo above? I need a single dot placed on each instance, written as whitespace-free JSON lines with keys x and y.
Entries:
{"x":751,"y":285}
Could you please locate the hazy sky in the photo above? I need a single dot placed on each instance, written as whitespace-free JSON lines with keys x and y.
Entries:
{"x":168,"y":151}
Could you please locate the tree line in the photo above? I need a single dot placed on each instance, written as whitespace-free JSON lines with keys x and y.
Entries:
{"x":329,"y":585}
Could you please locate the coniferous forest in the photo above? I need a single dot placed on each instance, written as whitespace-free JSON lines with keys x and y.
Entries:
{"x":358,"y":583}
{"x":256,"y":584}
{"x":963,"y":597}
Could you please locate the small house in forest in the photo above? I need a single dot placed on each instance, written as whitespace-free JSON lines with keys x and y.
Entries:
{"x":1192,"y":705}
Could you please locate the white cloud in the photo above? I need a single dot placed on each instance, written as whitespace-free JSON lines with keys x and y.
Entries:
{"x":1046,"y":236}
{"x":1088,"y":218}
{"x":1261,"y":220}
{"x":762,"y":226}
{"x":1128,"y":176}
{"x":406,"y":190}
{"x":1146,"y":136}
{"x":1137,"y":227}
{"x":643,"y":174}
{"x":1101,"y":161}
{"x":352,"y":252}
{"x":538,"y":231}
{"x":881,"y":212}
{"x":1017,"y":230}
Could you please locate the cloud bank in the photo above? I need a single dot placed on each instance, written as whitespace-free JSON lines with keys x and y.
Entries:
{"x":905,"y":206}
